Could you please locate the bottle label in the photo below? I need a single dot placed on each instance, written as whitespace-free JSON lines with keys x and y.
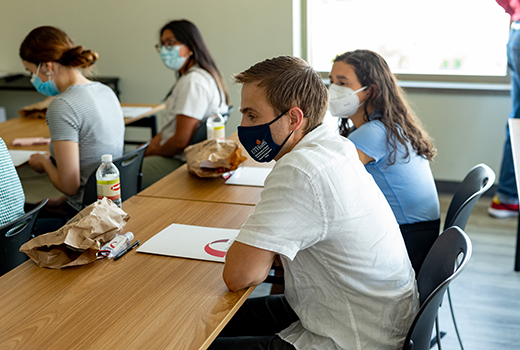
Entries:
{"x":110,"y":189}
{"x":219,"y":132}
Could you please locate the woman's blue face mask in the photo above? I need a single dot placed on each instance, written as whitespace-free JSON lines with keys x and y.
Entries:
{"x":171,"y":57}
{"x":258,"y":141}
{"x":48,"y":88}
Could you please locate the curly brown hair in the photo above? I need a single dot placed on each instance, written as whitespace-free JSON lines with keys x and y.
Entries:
{"x":388,"y":98}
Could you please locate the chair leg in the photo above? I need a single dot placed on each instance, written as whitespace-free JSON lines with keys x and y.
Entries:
{"x":453,"y":318}
{"x":439,"y":335}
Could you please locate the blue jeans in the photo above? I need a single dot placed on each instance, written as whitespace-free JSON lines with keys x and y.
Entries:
{"x":507,"y":191}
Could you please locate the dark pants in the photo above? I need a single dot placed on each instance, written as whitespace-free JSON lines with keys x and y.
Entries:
{"x":50,"y":219}
{"x":419,"y":238}
{"x":255,"y":325}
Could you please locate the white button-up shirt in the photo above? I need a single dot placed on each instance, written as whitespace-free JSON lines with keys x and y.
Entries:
{"x":347,"y":272}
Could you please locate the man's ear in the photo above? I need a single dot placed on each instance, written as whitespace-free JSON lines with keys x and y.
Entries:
{"x":296,"y":118}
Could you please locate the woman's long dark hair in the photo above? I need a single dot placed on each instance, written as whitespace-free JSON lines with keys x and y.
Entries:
{"x":387,"y":97}
{"x":188,"y":34}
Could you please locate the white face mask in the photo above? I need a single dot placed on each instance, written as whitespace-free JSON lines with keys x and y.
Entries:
{"x":344,"y":101}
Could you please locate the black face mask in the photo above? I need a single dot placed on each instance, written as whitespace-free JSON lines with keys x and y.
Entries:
{"x":258,"y":141}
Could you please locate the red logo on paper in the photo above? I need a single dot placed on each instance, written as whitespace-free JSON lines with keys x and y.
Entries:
{"x":116,"y":187}
{"x":213,"y":251}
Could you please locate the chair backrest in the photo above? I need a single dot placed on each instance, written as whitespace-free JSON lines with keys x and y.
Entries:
{"x":479,"y":179}
{"x":13,"y":235}
{"x":201,"y":132}
{"x":130,"y":176}
{"x":446,"y":259}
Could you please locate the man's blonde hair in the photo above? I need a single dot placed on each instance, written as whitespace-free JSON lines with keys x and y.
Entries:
{"x":290,"y":82}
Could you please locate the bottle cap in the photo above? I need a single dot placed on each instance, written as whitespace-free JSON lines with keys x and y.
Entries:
{"x":130,"y":235}
{"x":106,"y":158}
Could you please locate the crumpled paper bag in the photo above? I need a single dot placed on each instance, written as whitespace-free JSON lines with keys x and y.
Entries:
{"x":212,"y":158}
{"x":79,"y":240}
{"x":36,"y":110}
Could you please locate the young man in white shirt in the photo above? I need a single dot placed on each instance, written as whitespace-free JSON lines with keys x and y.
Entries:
{"x":348,"y":281}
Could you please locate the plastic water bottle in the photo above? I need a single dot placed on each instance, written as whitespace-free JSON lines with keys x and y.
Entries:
{"x":117,"y":245}
{"x":107,"y":178}
{"x":215,"y":126}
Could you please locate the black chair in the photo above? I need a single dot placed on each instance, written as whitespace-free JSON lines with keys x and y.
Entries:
{"x":479,"y":180}
{"x":445,"y":261}
{"x":13,"y":235}
{"x":130,"y":176}
{"x":201,"y":131}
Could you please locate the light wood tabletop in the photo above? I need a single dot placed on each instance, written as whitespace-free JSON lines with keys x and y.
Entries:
{"x":141,"y":301}
{"x":155,"y":108}
{"x":181,"y":184}
{"x":24,"y":127}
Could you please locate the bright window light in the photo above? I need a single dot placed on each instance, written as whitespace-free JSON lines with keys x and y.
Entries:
{"x":445,"y":37}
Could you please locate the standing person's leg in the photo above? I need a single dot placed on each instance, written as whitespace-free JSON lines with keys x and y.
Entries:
{"x":505,"y":202}
{"x":255,"y":325}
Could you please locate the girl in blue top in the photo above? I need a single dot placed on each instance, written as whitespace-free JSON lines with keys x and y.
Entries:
{"x":390,"y":141}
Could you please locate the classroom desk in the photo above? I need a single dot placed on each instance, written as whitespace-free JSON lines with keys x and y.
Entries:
{"x":26,"y":127}
{"x":141,"y":301}
{"x":514,"y":132}
{"x":147,"y":119}
{"x":180,"y":184}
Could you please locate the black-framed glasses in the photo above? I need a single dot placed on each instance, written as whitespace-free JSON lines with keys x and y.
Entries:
{"x":169,"y":45}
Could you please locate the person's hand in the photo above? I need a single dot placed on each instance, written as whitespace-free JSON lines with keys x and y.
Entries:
{"x":154,"y":146}
{"x":37,"y":161}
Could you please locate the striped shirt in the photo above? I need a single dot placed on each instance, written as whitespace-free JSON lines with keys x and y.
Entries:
{"x":12,"y":198}
{"x":90,"y":115}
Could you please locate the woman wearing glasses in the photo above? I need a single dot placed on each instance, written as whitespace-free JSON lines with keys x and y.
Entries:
{"x":85,"y":118}
{"x":198,"y":91}
{"x":391,"y":142}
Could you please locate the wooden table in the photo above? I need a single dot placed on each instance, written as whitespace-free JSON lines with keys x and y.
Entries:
{"x":141,"y":301}
{"x":26,"y":127}
{"x":180,"y":184}
{"x":514,"y":132}
{"x":155,"y":108}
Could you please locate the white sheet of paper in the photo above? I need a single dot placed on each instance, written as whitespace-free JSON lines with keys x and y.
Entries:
{"x":193,"y":242}
{"x":20,"y":157}
{"x":249,"y":176}
{"x":132,"y":112}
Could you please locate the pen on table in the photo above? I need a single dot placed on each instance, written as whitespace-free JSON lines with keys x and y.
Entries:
{"x":135,"y":244}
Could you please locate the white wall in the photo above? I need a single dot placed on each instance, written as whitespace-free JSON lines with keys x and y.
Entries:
{"x":238,"y":33}
{"x":468,"y":128}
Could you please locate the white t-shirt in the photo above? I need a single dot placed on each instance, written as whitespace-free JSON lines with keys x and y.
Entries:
{"x":195,"y":95}
{"x":347,"y":272}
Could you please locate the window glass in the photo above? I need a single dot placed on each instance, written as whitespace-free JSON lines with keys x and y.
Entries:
{"x":446,"y":37}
